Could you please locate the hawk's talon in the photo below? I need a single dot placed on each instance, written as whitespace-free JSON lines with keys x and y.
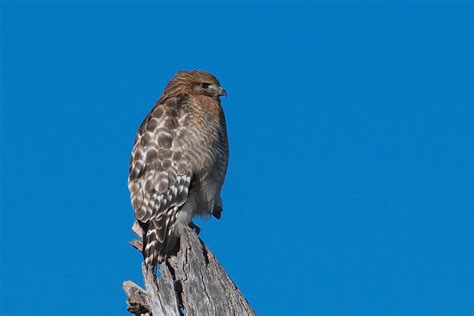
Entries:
{"x":195,"y":227}
{"x":217,"y":212}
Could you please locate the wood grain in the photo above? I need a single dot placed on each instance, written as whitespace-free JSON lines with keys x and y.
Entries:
{"x":192,"y":282}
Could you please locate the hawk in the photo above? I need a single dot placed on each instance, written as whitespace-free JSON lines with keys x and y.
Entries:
{"x":179,"y":161}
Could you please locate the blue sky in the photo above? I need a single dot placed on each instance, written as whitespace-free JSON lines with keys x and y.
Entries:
{"x":349,"y":189}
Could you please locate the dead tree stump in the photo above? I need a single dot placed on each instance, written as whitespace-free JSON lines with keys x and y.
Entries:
{"x":191,"y":283}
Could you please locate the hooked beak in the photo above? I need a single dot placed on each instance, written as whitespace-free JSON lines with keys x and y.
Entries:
{"x":221,"y":92}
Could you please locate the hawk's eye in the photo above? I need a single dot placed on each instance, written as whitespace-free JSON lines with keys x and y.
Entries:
{"x":205,"y":85}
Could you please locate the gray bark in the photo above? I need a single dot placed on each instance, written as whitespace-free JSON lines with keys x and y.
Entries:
{"x":191,"y":283}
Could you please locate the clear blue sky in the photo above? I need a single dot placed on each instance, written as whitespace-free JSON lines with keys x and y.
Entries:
{"x":349,"y":187}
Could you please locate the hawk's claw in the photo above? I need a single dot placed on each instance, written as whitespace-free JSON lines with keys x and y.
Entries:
{"x":195,"y":227}
{"x":217,"y":212}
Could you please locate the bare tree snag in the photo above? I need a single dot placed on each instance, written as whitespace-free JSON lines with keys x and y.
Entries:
{"x":191,"y":283}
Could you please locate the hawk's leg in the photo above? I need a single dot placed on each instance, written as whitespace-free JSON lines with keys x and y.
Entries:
{"x":216,"y":212}
{"x":195,"y":227}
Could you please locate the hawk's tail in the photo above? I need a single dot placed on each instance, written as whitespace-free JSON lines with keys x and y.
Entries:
{"x":151,"y":245}
{"x":158,"y":241}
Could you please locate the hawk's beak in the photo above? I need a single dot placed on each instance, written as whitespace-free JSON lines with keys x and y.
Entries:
{"x":222,"y":92}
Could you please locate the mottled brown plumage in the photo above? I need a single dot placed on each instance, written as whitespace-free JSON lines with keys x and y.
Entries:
{"x":179,"y":160}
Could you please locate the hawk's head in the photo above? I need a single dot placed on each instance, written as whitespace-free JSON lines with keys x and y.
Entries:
{"x":196,"y":82}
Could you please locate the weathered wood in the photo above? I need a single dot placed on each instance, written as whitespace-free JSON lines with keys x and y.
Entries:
{"x":191,"y":283}
{"x":137,"y":299}
{"x":137,"y":244}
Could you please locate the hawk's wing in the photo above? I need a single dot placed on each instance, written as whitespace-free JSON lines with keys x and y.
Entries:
{"x":160,"y":176}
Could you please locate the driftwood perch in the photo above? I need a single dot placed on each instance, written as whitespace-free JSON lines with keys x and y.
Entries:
{"x":191,"y":283}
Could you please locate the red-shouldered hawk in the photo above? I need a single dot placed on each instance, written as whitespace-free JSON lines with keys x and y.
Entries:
{"x":179,"y":161}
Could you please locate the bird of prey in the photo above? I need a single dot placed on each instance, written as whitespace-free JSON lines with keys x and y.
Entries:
{"x":179,"y":161}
